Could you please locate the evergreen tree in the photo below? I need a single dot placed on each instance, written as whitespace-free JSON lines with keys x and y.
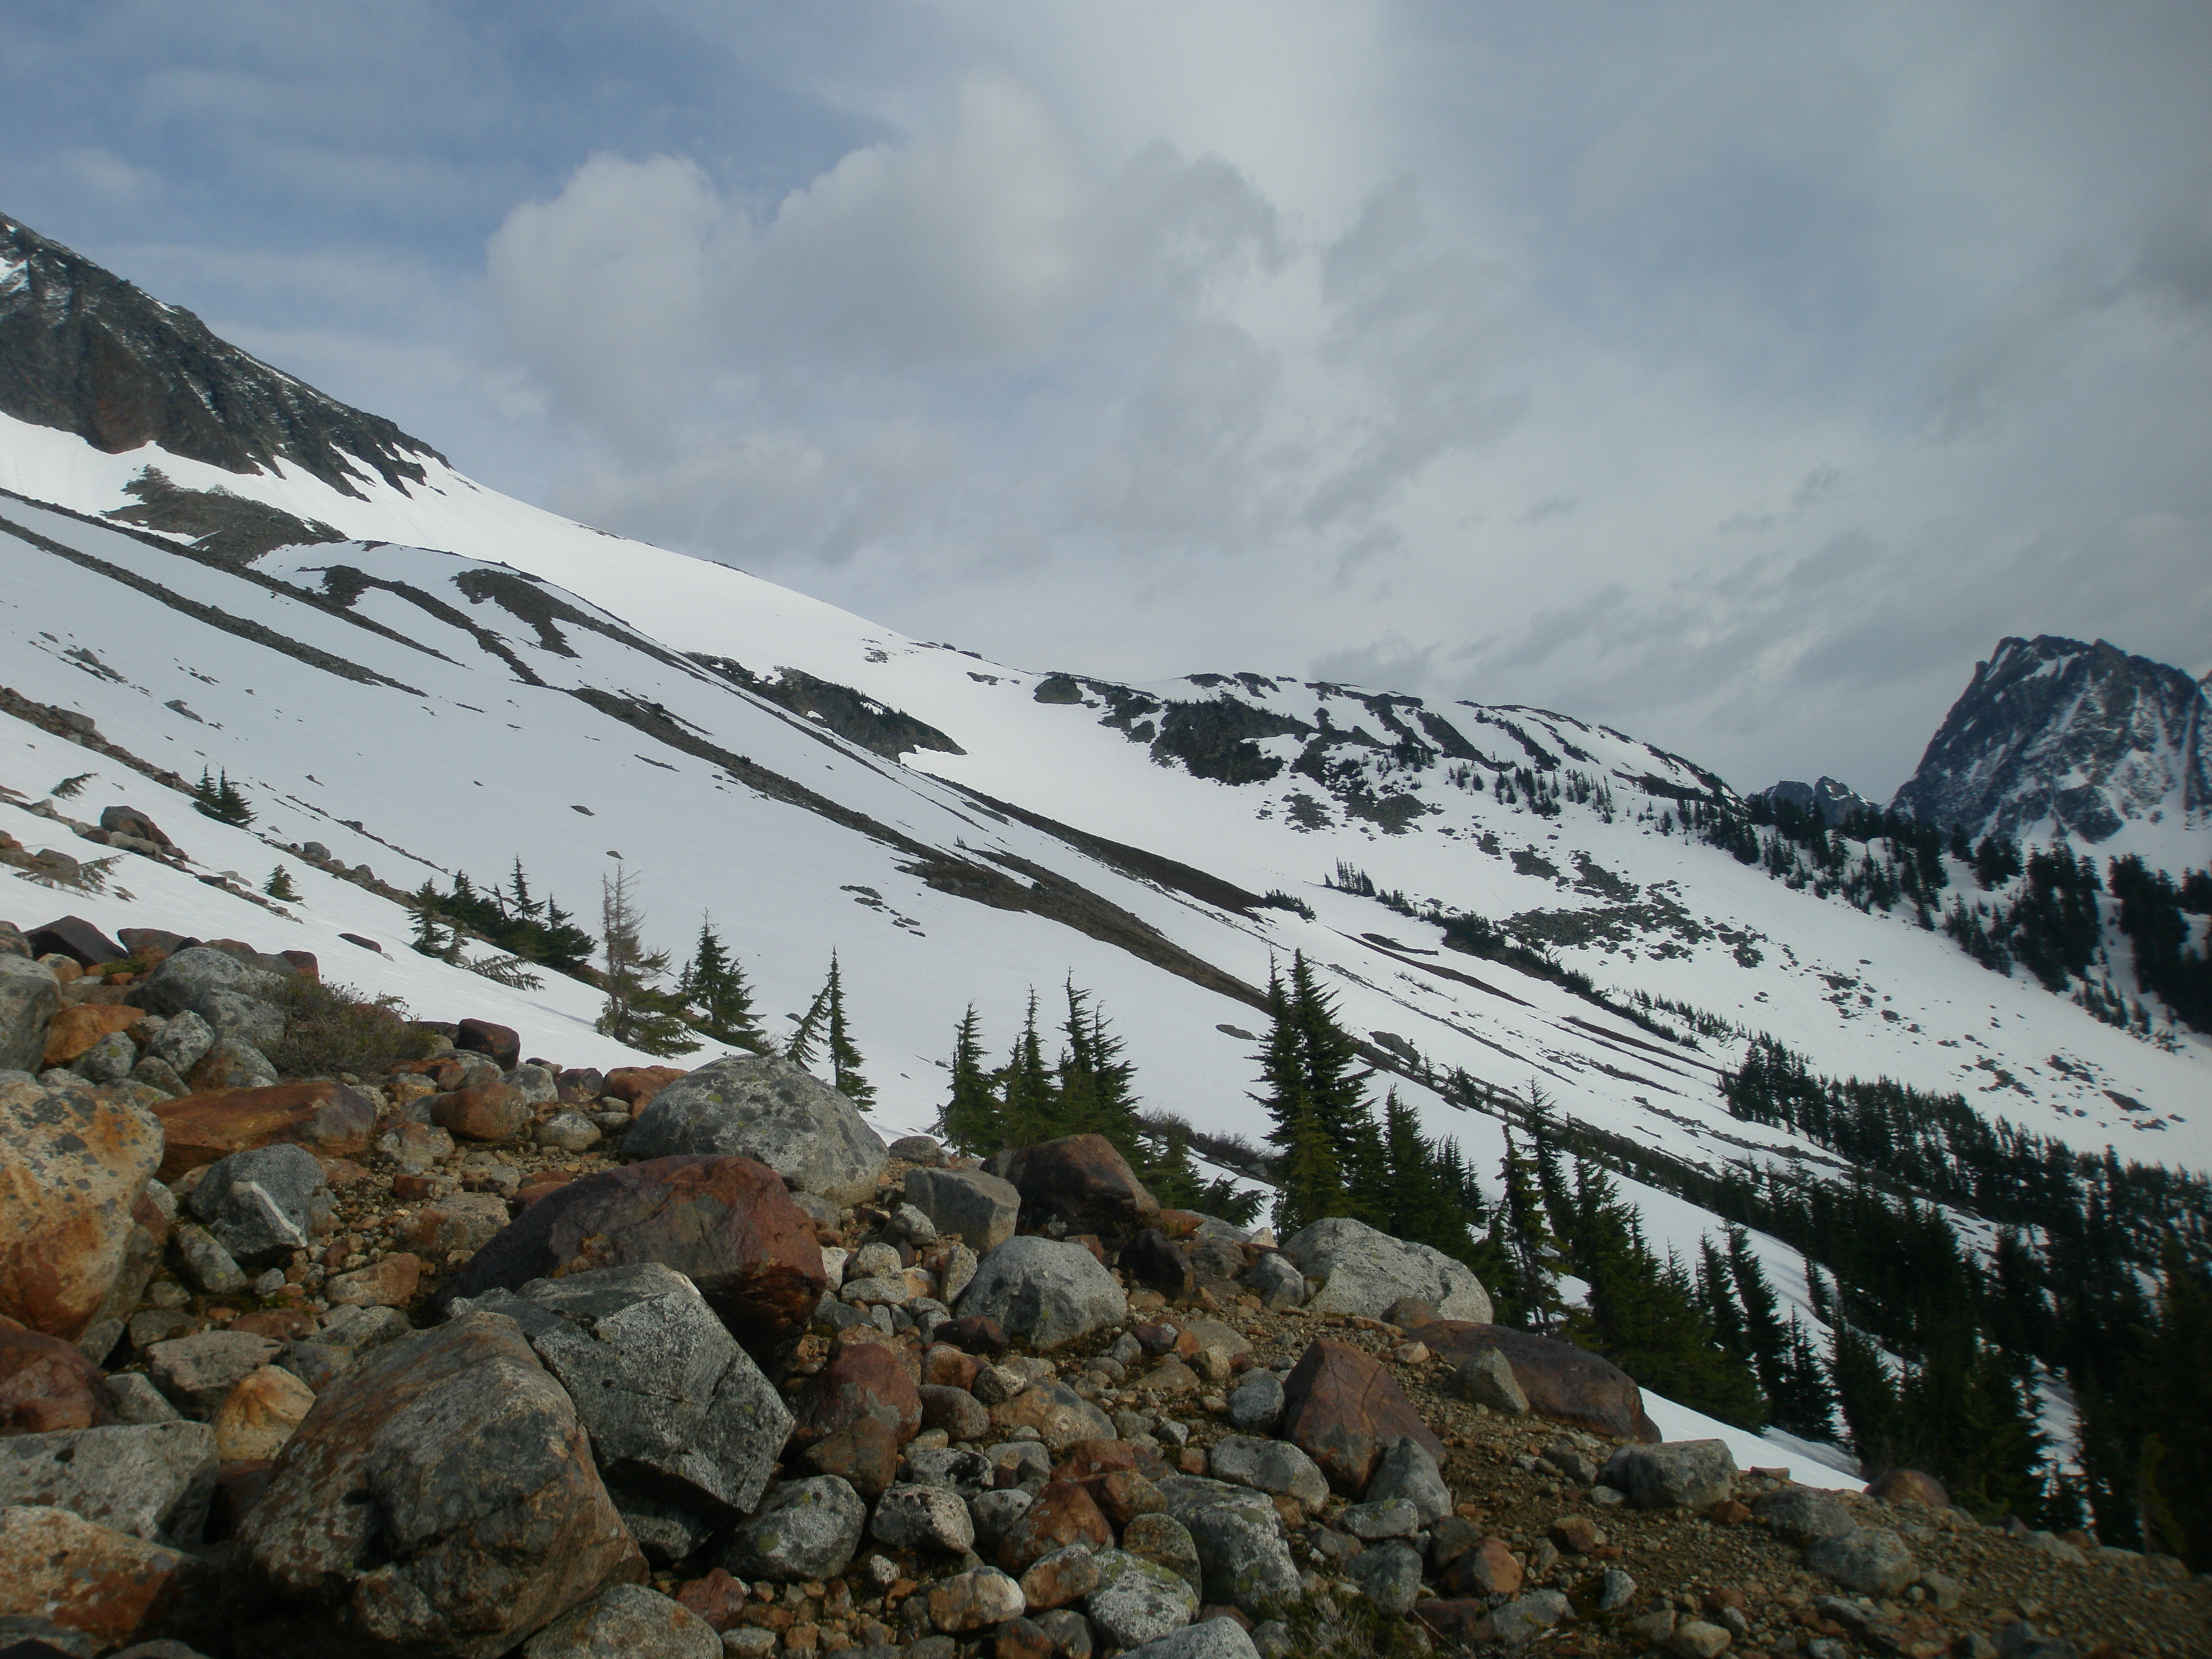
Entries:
{"x":1422,"y":1194}
{"x":969,"y":1120}
{"x":1309,"y":1172}
{"x":1801,"y":1401}
{"x":525,"y":906}
{"x":429,"y":938}
{"x":1532,"y":1250}
{"x":798,"y":1046}
{"x":220,"y":799}
{"x":714,"y":985}
{"x":637,"y":1011}
{"x":1096,"y":1085}
{"x":1029,"y":1102}
{"x":280,"y":887}
{"x":845,"y":1075}
{"x":1767,"y":1340}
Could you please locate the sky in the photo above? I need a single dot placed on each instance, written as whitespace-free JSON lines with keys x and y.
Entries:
{"x":1734,"y":374}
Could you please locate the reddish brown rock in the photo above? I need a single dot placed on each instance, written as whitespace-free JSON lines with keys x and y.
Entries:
{"x":1122,"y":1495}
{"x":1063,"y":1514}
{"x":486,"y":1112}
{"x":1577,"y":1535}
{"x":1728,"y":1513}
{"x":1181,"y":1224}
{"x":1086,"y":1459}
{"x":114,"y":1588}
{"x":73,"y":1165}
{"x":1344,"y":1410}
{"x":77,"y":1029}
{"x":947,"y":1366}
{"x":481,"y":1036}
{"x":390,"y":1282}
{"x":1458,"y":1622}
{"x":1911,"y":1486}
{"x":866,"y":1380}
{"x":1151,"y":1260}
{"x":580,"y":1086}
{"x":278,"y":1324}
{"x":1082,"y":1182}
{"x":973,"y":1332}
{"x":322,"y":1116}
{"x":1055,"y":1580}
{"x":1562,"y":1382}
{"x":1025,"y":1638}
{"x":439,"y":1498}
{"x":969,"y":1601}
{"x":77,"y":938}
{"x":717,"y":1598}
{"x":637,"y":1085}
{"x":865,"y":1454}
{"x":725,"y":1222}
{"x":46,"y":1385}
{"x":1157,"y":1340}
{"x":1488,"y":1569}
{"x":462,"y":1221}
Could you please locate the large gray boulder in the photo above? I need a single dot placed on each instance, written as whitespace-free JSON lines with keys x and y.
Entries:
{"x":1872,"y":1560}
{"x":1801,"y":1514}
{"x":182,"y":1044}
{"x":228,"y":991}
{"x":1275,"y":1467}
{"x":766,"y":1108}
{"x":1362,"y":1272}
{"x":1139,"y":1600}
{"x":1239,"y":1535}
{"x":152,"y":1480}
{"x":980,"y":1207}
{"x":1407,"y":1471}
{"x":674,"y":1406}
{"x":1688,"y":1475}
{"x":802,"y":1529}
{"x":29,"y":996}
{"x":1046,"y":1290}
{"x":1217,"y":1638}
{"x":262,"y":1204}
{"x":626,"y":1622}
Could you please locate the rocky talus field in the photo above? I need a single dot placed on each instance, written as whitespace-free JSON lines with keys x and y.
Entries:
{"x":328,"y":1332}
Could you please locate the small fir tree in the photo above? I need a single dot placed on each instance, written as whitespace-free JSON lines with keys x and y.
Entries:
{"x":638,"y":1010}
{"x":798,"y":1046}
{"x":714,"y":988}
{"x":970,"y":1120}
{"x":845,"y":1074}
{"x":220,"y":799}
{"x":1029,"y":1103}
{"x":279,"y":886}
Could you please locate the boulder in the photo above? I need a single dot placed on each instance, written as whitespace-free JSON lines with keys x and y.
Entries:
{"x":1526,"y":1617}
{"x":981,"y":1208}
{"x":78,"y":1029}
{"x":864,"y":1454}
{"x":77,"y":938}
{"x":1049,"y":1291}
{"x":439,"y":1498}
{"x":1389,"y":1575}
{"x":29,"y":996}
{"x":1217,"y":1638}
{"x":1872,"y":1560}
{"x":969,"y":1601}
{"x":389,"y":1282}
{"x":674,"y":1405}
{"x":865,"y":1380}
{"x":260,"y":1414}
{"x":803,"y":1530}
{"x":1152,"y":1262}
{"x":1276,"y":1281}
{"x":1255,"y":1405}
{"x":1165,"y":1541}
{"x":481,"y":1036}
{"x":923,"y":1517}
{"x":636,"y":1085}
{"x":1238,"y":1535}
{"x":764,"y":1107}
{"x":1487,"y":1379}
{"x":231,"y":1062}
{"x":112,"y":1587}
{"x":210,"y":982}
{"x":1270,"y":1466}
{"x":1687,"y":1474}
{"x":956,"y":1411}
{"x":1364,"y":1272}
{"x":323,"y":1116}
{"x":1138,"y":1600}
{"x":111,"y":1060}
{"x":1063,"y":1514}
{"x":1344,"y":1409}
{"x":924,"y":1149}
{"x":1559,"y":1380}
{"x":486,"y":1112}
{"x":1407,"y":1472}
{"x":46,"y":1385}
{"x":726,"y":1223}
{"x":73,"y":1163}
{"x":261,"y":1205}
{"x":182,"y":1043}
{"x":1081,"y":1181}
{"x":459,"y":1221}
{"x":1061,"y":1416}
{"x":1488,"y":1569}
{"x":199,"y":1371}
{"x":1801,"y":1514}
{"x":626,"y":1621}
{"x":152,"y":1480}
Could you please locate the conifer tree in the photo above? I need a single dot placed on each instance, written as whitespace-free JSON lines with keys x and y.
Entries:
{"x":1532,"y":1250}
{"x":220,"y":799}
{"x":969,"y":1120}
{"x":1309,"y":1172}
{"x":525,"y":905}
{"x":1096,"y":1090}
{"x":1029,"y":1101}
{"x":798,"y":1046}
{"x":1767,"y":1341}
{"x":638,"y":1010}
{"x":1800,"y":1400}
{"x":845,"y":1076}
{"x":714,"y":985}
{"x":430,"y":938}
{"x":280,"y":887}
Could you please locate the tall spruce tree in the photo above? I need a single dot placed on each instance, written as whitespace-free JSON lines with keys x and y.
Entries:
{"x":1028,"y":1100}
{"x":969,"y":1122}
{"x":1095,"y":1083}
{"x":845,"y":1075}
{"x":714,"y":985}
{"x":1309,"y":1171}
{"x":638,"y":1010}
{"x":1532,"y":1249}
{"x":805,"y":1036}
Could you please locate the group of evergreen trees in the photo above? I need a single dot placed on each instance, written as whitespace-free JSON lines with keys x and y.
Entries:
{"x":218,"y":798}
{"x":511,"y":917}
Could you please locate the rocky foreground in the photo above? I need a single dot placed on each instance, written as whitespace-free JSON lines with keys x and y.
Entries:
{"x":469,"y":1353}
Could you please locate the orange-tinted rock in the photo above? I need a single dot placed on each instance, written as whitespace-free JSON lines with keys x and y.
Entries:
{"x":1458,"y":1622}
{"x":1122,"y":1495}
{"x":1181,"y":1224}
{"x":500,"y":1042}
{"x":1344,"y":1410}
{"x":73,"y":1164}
{"x":260,"y":1415}
{"x":1063,"y":1514}
{"x":322,"y":1116}
{"x":76,"y":1029}
{"x":1088,"y":1459}
{"x":487,"y":1112}
{"x":1911,"y":1486}
{"x":46,"y":1385}
{"x":460,"y":1221}
{"x":1488,"y":1569}
{"x":865,"y":1454}
{"x":727,"y":1223}
{"x":717,"y":1598}
{"x":390,"y":1282}
{"x":975,"y":1332}
{"x":866,"y":1380}
{"x":114,"y":1588}
{"x":1081,"y":1181}
{"x":1022,"y":1638}
{"x":637,"y":1085}
{"x":278,"y":1324}
{"x":947,"y":1367}
{"x":1562,"y":1382}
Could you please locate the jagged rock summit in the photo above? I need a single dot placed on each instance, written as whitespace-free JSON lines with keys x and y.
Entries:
{"x":2057,"y":738}
{"x":84,"y":351}
{"x":1834,"y":801}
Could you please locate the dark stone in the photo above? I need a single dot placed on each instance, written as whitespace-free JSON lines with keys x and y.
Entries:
{"x":1081,"y":1181}
{"x":1562,"y":1382}
{"x":1344,"y":1410}
{"x":365,"y":944}
{"x":974,"y":1334}
{"x":1152,"y":1260}
{"x":865,"y":1380}
{"x":75,"y":938}
{"x":726,"y":1223}
{"x":579,"y":1087}
{"x":502,"y":1042}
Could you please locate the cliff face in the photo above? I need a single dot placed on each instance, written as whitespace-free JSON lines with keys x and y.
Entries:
{"x":84,"y":351}
{"x":2083,"y":737}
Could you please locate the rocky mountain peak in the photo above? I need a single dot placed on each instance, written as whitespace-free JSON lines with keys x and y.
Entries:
{"x":2056,"y":737}
{"x":1835,"y":801}
{"x":84,"y":351}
